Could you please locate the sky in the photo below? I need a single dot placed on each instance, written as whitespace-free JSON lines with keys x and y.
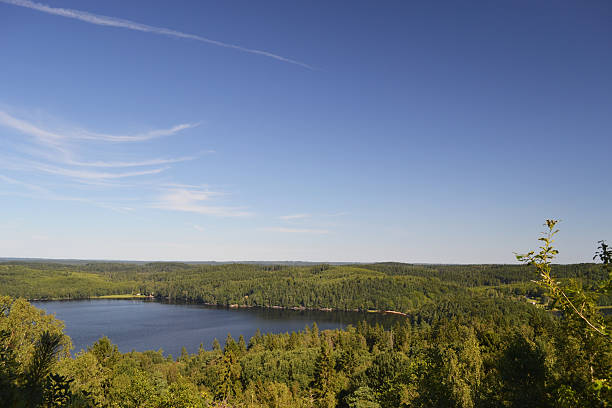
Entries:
{"x":358,"y":131}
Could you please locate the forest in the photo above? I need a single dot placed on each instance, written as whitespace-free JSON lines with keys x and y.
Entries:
{"x":382,"y":286}
{"x":529,"y":335}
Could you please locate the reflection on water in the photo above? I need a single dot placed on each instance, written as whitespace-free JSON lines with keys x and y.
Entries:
{"x":149,"y":325}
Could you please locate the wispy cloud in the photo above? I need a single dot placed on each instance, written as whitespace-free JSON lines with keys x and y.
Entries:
{"x":198,"y":228}
{"x":195,"y":201}
{"x":152,"y":162}
{"x":338,"y":214}
{"x":52,"y":152}
{"x":29,"y":129}
{"x":55,"y":137}
{"x":94,"y":175}
{"x":38,"y":193}
{"x":131,"y":25}
{"x":31,"y":187}
{"x":153,"y":134}
{"x":297,"y":230}
{"x":173,"y":186}
{"x":64,"y":155}
{"x":61,"y":154}
{"x":294,"y":217}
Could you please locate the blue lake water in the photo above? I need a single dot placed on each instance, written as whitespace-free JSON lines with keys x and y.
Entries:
{"x":148,"y":325}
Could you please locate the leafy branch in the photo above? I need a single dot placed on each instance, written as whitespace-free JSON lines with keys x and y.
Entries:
{"x":542,"y":261}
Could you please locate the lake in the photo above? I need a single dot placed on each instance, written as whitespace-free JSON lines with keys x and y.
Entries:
{"x":149,"y":325}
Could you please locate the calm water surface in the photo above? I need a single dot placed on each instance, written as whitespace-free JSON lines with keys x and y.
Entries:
{"x":148,"y":325}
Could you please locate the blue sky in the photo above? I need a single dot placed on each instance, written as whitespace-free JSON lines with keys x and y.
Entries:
{"x":322,"y":131}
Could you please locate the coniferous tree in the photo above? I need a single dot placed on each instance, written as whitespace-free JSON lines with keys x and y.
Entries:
{"x":323,"y":384}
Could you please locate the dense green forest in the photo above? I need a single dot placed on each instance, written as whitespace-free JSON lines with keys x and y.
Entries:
{"x":475,"y":352}
{"x":473,"y":336}
{"x":382,"y":286}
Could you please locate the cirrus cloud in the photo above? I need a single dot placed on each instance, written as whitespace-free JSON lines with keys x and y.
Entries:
{"x":195,"y":201}
{"x":296,"y":230}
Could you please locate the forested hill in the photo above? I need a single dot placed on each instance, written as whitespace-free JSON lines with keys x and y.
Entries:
{"x":380,"y":286}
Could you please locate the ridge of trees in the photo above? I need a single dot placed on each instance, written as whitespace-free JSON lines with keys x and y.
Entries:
{"x":383,"y":286}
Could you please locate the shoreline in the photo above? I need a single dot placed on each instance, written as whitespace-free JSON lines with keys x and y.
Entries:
{"x":230,"y":306}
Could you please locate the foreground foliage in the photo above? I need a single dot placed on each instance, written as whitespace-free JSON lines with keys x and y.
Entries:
{"x":485,"y":352}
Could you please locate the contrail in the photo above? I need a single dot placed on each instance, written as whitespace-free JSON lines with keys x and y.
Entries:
{"x":131,"y":25}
